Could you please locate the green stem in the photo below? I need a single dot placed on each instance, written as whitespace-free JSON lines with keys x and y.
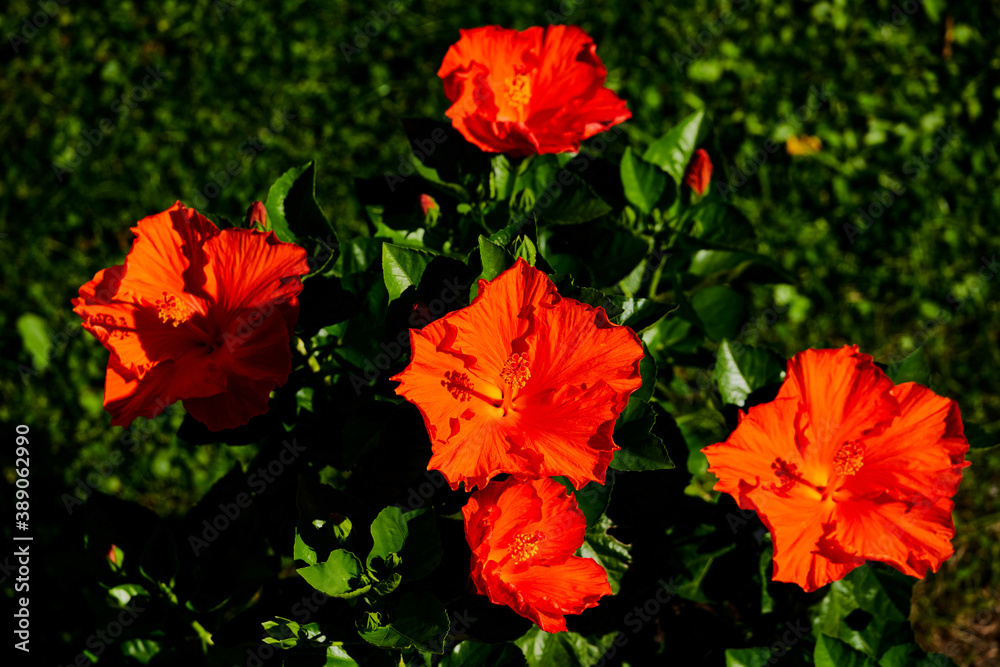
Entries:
{"x":204,"y":635}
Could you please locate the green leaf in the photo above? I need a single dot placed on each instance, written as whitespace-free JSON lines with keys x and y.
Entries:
{"x":341,"y":575}
{"x":720,"y":309}
{"x":563,"y":649}
{"x":868,"y":610}
{"x":710,"y":261}
{"x":643,"y":182}
{"x":831,"y":652}
{"x":495,"y":259}
{"x":501,"y":177}
{"x":336,"y":656}
{"x":141,"y":650}
{"x":698,"y":553}
{"x":420,"y":622}
{"x":640,"y":314}
{"x":640,"y":449}
{"x":35,"y":338}
{"x":912,"y":368}
{"x":559,"y":203}
{"x":611,"y":554}
{"x":712,"y":220}
{"x":292,"y":211}
{"x":474,"y":654}
{"x":748,"y":657}
{"x":593,"y":498}
{"x":402,"y":267}
{"x":741,"y":369}
{"x":125,"y":592}
{"x":422,"y":551}
{"x":525,"y":249}
{"x":302,"y":551}
{"x":672,"y":152}
{"x":389,"y":531}
{"x":911,"y":655}
{"x":978,"y":438}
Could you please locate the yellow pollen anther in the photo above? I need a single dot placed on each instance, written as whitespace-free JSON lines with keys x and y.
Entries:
{"x":515,"y":371}
{"x":517,"y":90}
{"x":849,"y":458}
{"x":172,"y":310}
{"x":525,"y":546}
{"x":459,"y":384}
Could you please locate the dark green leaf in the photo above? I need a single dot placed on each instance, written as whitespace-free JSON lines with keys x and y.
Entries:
{"x":911,"y":655}
{"x":713,"y":221}
{"x":707,"y":262}
{"x":640,"y":314}
{"x":643,"y":182}
{"x":720,"y":309}
{"x":563,"y":649}
{"x":640,"y":449}
{"x":742,"y":369}
{"x":474,"y":654}
{"x":495,"y":259}
{"x":611,"y":554}
{"x":402,"y":267}
{"x":292,"y":211}
{"x":501,"y":177}
{"x":912,"y":368}
{"x":672,"y":152}
{"x":978,"y":438}
{"x":831,"y":652}
{"x":593,"y":498}
{"x":877,"y":600}
{"x":420,"y":622}
{"x":422,"y":551}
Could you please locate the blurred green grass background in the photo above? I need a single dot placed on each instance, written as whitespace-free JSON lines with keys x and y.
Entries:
{"x":113,"y":110}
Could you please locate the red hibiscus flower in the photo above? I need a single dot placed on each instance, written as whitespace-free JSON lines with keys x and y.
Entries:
{"x":699,"y":172}
{"x":522,"y":381}
{"x":523,"y":536}
{"x":844,"y":466}
{"x":195,"y":314}
{"x":521,"y":93}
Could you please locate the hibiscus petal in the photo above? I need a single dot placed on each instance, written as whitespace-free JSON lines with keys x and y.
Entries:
{"x":576,"y":343}
{"x":242,"y":400}
{"x":248,"y":269}
{"x":920,"y":454}
{"x":765,"y":434}
{"x":845,"y":397}
{"x":910,"y":537}
{"x":797,"y":522}
{"x":572,"y":430}
{"x":164,"y":384}
{"x":545,"y":594}
{"x":167,"y":255}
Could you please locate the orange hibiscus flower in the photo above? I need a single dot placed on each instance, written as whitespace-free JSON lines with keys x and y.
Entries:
{"x":522,"y":381}
{"x":195,"y":314}
{"x":537,"y":91}
{"x":844,"y":466}
{"x":523,"y":536}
